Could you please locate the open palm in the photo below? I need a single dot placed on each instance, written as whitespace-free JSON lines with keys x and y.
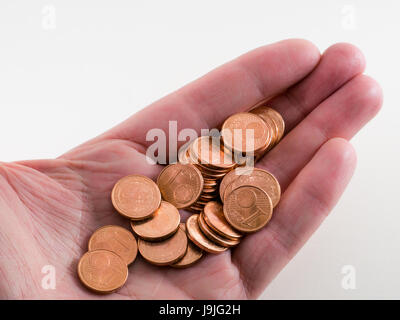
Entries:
{"x":49,"y":208}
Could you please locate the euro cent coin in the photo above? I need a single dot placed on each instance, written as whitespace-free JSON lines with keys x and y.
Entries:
{"x":259,"y":178}
{"x":115,"y":239}
{"x":180,"y":184}
{"x":192,"y":255}
{"x":251,"y":130}
{"x":248,"y":208}
{"x":102,"y":271}
{"x":164,"y":252}
{"x":197,"y":236}
{"x":163,"y":223}
{"x":214,"y":217}
{"x":136,"y":197}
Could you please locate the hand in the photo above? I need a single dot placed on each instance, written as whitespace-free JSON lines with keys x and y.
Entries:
{"x":49,"y":208}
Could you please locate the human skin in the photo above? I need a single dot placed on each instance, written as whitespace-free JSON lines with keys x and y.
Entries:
{"x":49,"y":208}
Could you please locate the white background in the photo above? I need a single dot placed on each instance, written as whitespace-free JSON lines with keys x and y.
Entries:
{"x":66,"y":80}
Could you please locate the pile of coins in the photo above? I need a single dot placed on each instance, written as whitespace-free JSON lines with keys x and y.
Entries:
{"x":228,"y":199}
{"x":253,"y":133}
{"x":213,"y":161}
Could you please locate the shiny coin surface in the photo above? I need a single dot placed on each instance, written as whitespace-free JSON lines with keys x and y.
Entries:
{"x":183,"y":157}
{"x":163,"y":223}
{"x":192,"y":255}
{"x":102,"y":271}
{"x":208,"y":151}
{"x":180,"y":184}
{"x":259,"y":178}
{"x":252,"y":132}
{"x":268,"y":113}
{"x":231,"y":176}
{"x":248,"y":208}
{"x":164,"y":252}
{"x":271,"y":124}
{"x":115,"y":239}
{"x":194,"y":209}
{"x":228,"y":178}
{"x":213,"y":236}
{"x":277,"y":118}
{"x":207,"y":197}
{"x":199,"y":239}
{"x":210,"y":185}
{"x":136,"y":197}
{"x":210,"y":191}
{"x":213,"y":215}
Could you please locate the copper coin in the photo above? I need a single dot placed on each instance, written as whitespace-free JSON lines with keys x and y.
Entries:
{"x":212,"y":199}
{"x":164,"y":252}
{"x":226,"y":181}
{"x":272,"y":125}
{"x":261,"y":153}
{"x":197,"y":205}
{"x":259,"y":178}
{"x":208,"y":200}
{"x":275,"y":116}
{"x":183,"y":156}
{"x":163,"y":223}
{"x":102,"y":271}
{"x":231,"y":176}
{"x":209,"y":189}
{"x":180,"y":184}
{"x":215,"y":219}
{"x":136,"y":197}
{"x":192,"y":255}
{"x":202,"y":202}
{"x":214,"y":177}
{"x":239,"y":124}
{"x":208,"y":174}
{"x":194,"y":209}
{"x":213,"y":236}
{"x":210,"y":155}
{"x":209,"y":151}
{"x":211,"y":171}
{"x":199,"y":239}
{"x":248,"y":208}
{"x":206,"y":196}
{"x":115,"y":239}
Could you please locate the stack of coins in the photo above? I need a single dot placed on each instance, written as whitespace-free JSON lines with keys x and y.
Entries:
{"x":254,"y":177}
{"x":213,"y":161}
{"x":210,"y":231}
{"x":253,"y":133}
{"x":228,"y":200}
{"x":274,"y":121}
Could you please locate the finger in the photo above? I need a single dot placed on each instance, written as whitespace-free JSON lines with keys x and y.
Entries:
{"x":231,"y":88}
{"x":339,"y":64}
{"x":304,"y":205}
{"x":343,"y":114}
